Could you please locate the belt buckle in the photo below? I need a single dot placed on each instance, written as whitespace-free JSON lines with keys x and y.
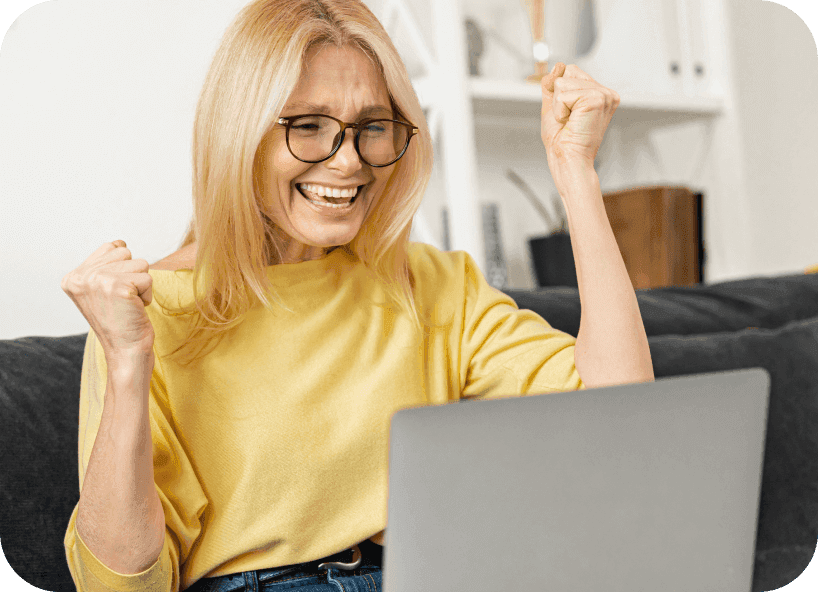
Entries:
{"x":356,"y":561}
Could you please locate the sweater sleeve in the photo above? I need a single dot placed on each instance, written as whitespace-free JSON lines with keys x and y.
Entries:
{"x":180,"y":492}
{"x":506,"y":351}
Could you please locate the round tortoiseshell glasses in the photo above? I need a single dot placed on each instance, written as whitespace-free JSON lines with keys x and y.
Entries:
{"x":378,"y":142}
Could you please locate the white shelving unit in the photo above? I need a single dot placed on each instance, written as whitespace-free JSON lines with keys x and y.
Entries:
{"x":512,"y":98}
{"x":668,"y":60}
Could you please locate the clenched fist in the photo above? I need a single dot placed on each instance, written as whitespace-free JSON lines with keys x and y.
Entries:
{"x":111,"y":291}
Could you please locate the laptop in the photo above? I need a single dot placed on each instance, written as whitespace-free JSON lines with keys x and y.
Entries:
{"x":651,"y":486}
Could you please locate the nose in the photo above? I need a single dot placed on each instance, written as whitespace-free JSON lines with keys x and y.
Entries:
{"x":346,"y":160}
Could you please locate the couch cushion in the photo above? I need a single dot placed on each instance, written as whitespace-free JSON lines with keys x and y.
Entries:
{"x":788,"y":512}
{"x":39,"y":402}
{"x":692,"y":310}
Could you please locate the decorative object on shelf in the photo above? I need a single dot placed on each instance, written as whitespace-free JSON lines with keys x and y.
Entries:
{"x":586,"y":29}
{"x":532,"y":198}
{"x":497,"y":53}
{"x":474,"y":39}
{"x":536,"y":16}
{"x":496,"y":270}
{"x":551,"y":255}
{"x":561,"y":31}
{"x":553,"y":260}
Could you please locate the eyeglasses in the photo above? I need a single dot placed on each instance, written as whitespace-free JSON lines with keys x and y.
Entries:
{"x":315,"y":138}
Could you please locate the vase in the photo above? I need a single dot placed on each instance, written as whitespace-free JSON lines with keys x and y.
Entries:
{"x":553,"y":260}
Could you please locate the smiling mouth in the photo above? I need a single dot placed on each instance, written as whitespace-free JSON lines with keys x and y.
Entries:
{"x":327,"y":199}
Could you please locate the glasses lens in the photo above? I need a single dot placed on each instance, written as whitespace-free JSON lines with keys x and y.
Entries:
{"x":381,"y":141}
{"x":313,"y":137}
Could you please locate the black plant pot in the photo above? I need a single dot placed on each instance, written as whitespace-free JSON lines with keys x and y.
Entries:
{"x":554,"y":260}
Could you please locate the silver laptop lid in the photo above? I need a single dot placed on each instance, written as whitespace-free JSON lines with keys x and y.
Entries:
{"x":651,"y":486}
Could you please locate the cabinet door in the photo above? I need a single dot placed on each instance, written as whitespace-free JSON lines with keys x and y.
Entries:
{"x":639,"y":47}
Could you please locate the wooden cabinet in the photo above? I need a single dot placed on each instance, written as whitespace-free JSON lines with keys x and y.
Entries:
{"x":658,"y":230}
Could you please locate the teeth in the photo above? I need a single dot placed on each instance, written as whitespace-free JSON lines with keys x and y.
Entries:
{"x":323,"y":191}
{"x":313,"y":191}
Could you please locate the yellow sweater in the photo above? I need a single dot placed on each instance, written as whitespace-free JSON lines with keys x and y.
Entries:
{"x":273,"y":449}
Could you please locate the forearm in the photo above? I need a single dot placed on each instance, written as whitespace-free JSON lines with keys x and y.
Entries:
{"x":120,"y":516}
{"x":612,"y":347}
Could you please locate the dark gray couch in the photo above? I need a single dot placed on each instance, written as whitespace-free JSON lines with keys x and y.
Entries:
{"x":770,"y":323}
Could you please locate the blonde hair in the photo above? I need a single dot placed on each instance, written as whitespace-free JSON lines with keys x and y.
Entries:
{"x":254,"y":71}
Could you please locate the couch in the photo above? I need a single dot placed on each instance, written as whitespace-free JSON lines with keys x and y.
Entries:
{"x":767,"y":322}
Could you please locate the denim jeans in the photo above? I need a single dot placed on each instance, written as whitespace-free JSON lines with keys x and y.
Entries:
{"x":305,"y":577}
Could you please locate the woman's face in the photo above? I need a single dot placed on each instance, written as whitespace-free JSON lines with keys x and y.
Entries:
{"x":343,"y":83}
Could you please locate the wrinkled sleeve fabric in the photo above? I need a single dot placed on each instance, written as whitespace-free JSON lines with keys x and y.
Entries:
{"x":506,"y":351}
{"x":180,"y":492}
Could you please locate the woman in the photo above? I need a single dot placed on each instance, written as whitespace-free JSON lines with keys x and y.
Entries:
{"x":236,"y":396}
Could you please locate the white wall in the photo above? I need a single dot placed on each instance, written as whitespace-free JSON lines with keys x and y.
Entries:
{"x":776,"y":81}
{"x":96,"y":112}
{"x":96,"y":106}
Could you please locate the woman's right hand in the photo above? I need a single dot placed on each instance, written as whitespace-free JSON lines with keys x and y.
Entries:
{"x":111,"y":291}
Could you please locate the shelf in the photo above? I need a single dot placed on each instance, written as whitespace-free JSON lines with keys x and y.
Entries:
{"x":495,"y":100}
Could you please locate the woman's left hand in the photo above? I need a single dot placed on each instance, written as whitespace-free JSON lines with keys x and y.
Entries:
{"x":576,"y":111}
